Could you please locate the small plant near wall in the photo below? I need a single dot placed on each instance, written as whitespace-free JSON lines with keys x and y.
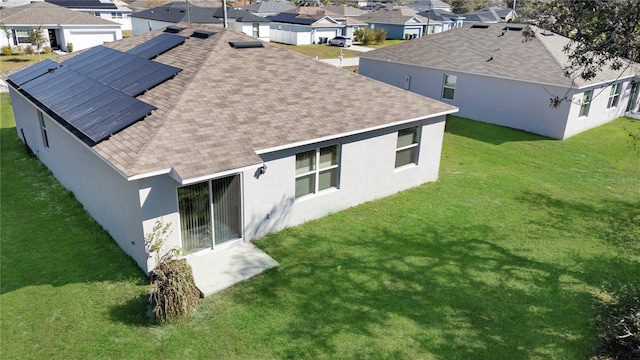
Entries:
{"x":173,"y":293}
{"x":69,"y":47}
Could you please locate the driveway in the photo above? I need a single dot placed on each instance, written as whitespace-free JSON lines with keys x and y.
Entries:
{"x":352,"y":61}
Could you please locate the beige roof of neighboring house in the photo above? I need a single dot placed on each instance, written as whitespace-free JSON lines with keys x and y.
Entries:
{"x":345,"y":10}
{"x":227,"y":104}
{"x":395,"y":15}
{"x":493,"y":51}
{"x":42,"y":13}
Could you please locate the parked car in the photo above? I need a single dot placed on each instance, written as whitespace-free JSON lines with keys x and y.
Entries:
{"x":341,"y":41}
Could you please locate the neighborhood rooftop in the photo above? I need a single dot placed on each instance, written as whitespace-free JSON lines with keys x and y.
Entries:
{"x":228,"y":104}
{"x":499,"y":50}
{"x":44,"y":13}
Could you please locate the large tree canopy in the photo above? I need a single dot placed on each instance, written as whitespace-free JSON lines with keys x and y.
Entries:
{"x":603,"y":31}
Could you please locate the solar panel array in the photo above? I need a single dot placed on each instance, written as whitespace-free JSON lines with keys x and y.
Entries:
{"x":83,"y":4}
{"x":93,"y":93}
{"x":157,"y":45}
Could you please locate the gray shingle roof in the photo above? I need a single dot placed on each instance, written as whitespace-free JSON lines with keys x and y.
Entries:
{"x":492,"y":51}
{"x":42,"y":13}
{"x":396,"y":15}
{"x":177,"y":12}
{"x":228,"y":103}
{"x":269,"y":7}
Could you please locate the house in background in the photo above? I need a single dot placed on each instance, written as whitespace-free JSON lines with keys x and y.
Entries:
{"x":60,"y":27}
{"x":112,"y":10}
{"x":175,"y":12}
{"x":425,"y":5}
{"x":401,"y":22}
{"x":494,"y":75}
{"x":268,"y":8}
{"x":448,"y":20}
{"x":223,"y":137}
{"x":345,"y":11}
{"x":311,"y":25}
{"x":490,"y":16}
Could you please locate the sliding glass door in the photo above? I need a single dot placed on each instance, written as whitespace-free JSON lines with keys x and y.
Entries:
{"x":210,"y":213}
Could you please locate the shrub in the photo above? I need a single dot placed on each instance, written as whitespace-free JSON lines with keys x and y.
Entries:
{"x":7,"y":51}
{"x":173,"y":294}
{"x":18,"y":50}
{"x":620,"y":324}
{"x":69,"y":47}
{"x":46,"y":50}
{"x":379,"y":36}
{"x":29,"y":50}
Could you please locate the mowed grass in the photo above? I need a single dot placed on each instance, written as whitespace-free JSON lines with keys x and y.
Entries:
{"x":319,"y":51}
{"x":16,"y":61}
{"x":502,"y":258}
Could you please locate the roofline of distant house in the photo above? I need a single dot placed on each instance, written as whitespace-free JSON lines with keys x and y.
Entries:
{"x":341,"y":135}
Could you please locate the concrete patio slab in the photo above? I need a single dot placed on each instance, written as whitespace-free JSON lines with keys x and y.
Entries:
{"x":214,"y":271}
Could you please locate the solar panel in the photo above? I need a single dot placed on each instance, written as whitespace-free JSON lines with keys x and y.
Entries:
{"x":158,"y":45}
{"x":83,"y":4}
{"x":32,"y":72}
{"x":93,"y":93}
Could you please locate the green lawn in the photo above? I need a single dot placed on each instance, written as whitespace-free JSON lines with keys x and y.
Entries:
{"x":503,"y":257}
{"x":321,"y":51}
{"x":16,"y":61}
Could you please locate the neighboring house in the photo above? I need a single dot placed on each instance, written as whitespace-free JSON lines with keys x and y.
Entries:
{"x":221,"y":136}
{"x":400,"y":22}
{"x":268,"y":8}
{"x":344,"y":10}
{"x":493,"y":75}
{"x":173,"y":13}
{"x":60,"y":27}
{"x":310,"y":25}
{"x":490,"y":16}
{"x":424,"y":5}
{"x":112,"y":10}
{"x":447,"y":19}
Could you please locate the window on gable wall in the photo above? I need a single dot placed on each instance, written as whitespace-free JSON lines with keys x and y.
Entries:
{"x":614,"y":95}
{"x":586,"y":103}
{"x":317,"y":170}
{"x":449,"y":87}
{"x":43,"y":130}
{"x":407,"y":147}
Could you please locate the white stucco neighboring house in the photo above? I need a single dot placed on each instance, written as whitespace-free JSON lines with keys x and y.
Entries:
{"x":224,"y":137}
{"x":175,"y":12}
{"x":60,"y":27}
{"x":493,"y":74}
{"x":306,"y":25}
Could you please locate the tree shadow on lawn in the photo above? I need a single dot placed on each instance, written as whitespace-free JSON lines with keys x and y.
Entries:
{"x":452,"y":292}
{"x":489,"y":133}
{"x":47,"y":236}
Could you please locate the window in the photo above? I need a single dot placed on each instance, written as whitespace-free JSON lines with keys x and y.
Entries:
{"x":449,"y":87}
{"x":21,"y":36}
{"x":210,"y":213}
{"x":317,"y":170}
{"x":407,"y":147}
{"x":116,"y":15}
{"x":43,"y":130}
{"x":256,"y":30}
{"x":614,"y":96}
{"x":96,"y":13}
{"x":586,"y":103}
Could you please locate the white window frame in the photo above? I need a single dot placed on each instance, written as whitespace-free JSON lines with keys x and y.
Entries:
{"x":585,"y":105}
{"x":21,"y":36}
{"x":414,"y":146}
{"x":116,"y":15}
{"x":614,"y":95}
{"x":317,"y":170}
{"x":255,"y":29}
{"x":43,"y":130}
{"x":446,"y":87}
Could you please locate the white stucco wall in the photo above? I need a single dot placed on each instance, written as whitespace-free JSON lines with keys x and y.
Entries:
{"x":301,"y":34}
{"x":106,"y":195}
{"x":141,"y":26}
{"x":84,"y":38}
{"x":246,"y":27}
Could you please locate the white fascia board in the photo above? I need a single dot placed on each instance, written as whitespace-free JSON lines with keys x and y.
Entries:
{"x":219,"y":174}
{"x":341,"y":135}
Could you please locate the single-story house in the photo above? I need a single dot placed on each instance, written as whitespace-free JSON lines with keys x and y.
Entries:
{"x":60,"y":26}
{"x":221,"y":136}
{"x":345,"y":10}
{"x":496,"y":75}
{"x":400,"y":22}
{"x":112,"y":10}
{"x":172,"y":13}
{"x":448,"y":20}
{"x":424,"y":5}
{"x":268,"y":8}
{"x":306,"y":25}
{"x":490,"y":16}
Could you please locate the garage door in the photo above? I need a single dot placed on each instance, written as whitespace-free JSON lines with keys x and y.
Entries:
{"x":85,"y":39}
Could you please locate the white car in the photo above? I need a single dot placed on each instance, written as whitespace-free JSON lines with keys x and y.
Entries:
{"x":341,"y":41}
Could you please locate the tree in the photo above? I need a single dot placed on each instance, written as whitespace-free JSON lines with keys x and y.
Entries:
{"x":36,"y":38}
{"x":602,"y":32}
{"x":7,"y":33}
